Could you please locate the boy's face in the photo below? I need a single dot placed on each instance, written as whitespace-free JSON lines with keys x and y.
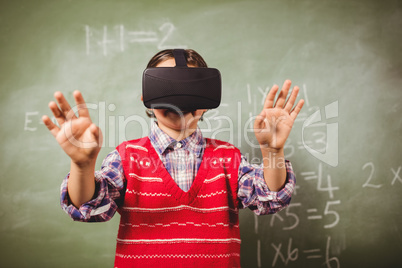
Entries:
{"x":177,"y":121}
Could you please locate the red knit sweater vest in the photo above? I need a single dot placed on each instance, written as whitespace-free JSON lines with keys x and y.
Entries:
{"x":163,"y":226}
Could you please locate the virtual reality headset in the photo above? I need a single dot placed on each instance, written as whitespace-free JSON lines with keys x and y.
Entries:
{"x":181,"y":87}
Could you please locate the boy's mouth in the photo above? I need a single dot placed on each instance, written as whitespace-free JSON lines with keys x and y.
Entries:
{"x":179,"y":112}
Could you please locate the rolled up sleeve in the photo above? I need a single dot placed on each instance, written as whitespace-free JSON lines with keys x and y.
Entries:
{"x":254,"y":193}
{"x":109,"y":193}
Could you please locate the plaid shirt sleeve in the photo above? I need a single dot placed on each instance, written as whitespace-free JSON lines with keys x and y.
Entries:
{"x":109,"y":193}
{"x":254,"y":193}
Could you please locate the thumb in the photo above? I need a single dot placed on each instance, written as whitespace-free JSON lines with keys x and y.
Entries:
{"x":260,"y":120}
{"x":96,"y":132}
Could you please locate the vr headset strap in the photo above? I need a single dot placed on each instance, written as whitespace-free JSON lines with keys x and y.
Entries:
{"x":180,"y":57}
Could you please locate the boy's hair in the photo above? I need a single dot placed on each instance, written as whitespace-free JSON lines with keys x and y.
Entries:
{"x":192,"y":58}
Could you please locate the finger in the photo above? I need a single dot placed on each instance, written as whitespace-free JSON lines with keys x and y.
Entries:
{"x":64,"y":106}
{"x":283,"y":94}
{"x":269,"y":100}
{"x":81,"y":105}
{"x":50,"y":125}
{"x":297,"y":109}
{"x":96,"y":132}
{"x":291,"y":101}
{"x":57,"y":113}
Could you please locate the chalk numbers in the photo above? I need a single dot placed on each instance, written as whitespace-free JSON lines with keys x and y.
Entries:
{"x":333,"y":213}
{"x":293,"y":254}
{"x":327,"y":216}
{"x":109,"y":40}
{"x":371,"y":181}
{"x":322,"y":210}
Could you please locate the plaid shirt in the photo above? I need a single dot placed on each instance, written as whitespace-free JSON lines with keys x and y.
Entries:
{"x":182,"y":160}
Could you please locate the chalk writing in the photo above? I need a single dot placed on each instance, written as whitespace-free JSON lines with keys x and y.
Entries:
{"x":119,"y":38}
{"x":312,"y":175}
{"x":317,"y":137}
{"x":369,"y":181}
{"x":396,"y":175}
{"x":332,"y":212}
{"x":312,"y":214}
{"x":28,"y":121}
{"x":370,"y":165}
{"x":294,"y":216}
{"x":292,"y":254}
{"x":330,"y":155}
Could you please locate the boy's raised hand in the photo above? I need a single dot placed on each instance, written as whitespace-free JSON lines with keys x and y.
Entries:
{"x":80,"y":139}
{"x":273,"y":125}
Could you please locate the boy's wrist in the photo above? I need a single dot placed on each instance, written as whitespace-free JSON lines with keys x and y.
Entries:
{"x":265,"y":150}
{"x":90,"y":163}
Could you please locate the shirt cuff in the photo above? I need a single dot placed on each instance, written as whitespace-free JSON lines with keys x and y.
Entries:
{"x":274,"y":201}
{"x":91,"y":211}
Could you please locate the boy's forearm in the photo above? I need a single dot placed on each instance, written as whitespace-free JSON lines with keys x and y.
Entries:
{"x":274,"y":168}
{"x":81,"y":183}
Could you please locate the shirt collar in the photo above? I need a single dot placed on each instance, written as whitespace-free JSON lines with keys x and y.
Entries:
{"x":194,"y":143}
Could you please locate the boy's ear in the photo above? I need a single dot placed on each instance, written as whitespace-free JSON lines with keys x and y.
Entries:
{"x":201,"y":112}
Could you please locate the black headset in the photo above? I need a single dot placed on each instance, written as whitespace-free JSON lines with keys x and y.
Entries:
{"x":180,"y":87}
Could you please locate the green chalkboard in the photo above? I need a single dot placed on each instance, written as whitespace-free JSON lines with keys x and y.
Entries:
{"x":345,"y":146}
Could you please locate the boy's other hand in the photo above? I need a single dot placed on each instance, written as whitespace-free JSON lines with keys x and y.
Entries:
{"x":273,"y":125}
{"x":80,"y":139}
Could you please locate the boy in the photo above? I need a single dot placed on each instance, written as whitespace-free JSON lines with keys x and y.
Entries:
{"x":178,"y":193}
